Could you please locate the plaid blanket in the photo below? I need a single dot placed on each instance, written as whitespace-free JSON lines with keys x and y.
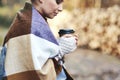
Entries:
{"x":29,"y":44}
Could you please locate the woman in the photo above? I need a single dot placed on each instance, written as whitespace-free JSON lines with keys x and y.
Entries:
{"x":30,"y":51}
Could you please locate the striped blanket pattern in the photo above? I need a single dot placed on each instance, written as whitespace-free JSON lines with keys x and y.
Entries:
{"x":29,"y":44}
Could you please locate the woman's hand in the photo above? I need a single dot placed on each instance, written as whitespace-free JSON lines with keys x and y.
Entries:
{"x":67,"y":43}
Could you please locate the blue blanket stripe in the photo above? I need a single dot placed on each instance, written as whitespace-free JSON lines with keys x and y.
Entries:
{"x":2,"y":60}
{"x":40,"y":27}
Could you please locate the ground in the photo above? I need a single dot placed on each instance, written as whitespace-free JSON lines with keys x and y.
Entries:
{"x":92,"y":65}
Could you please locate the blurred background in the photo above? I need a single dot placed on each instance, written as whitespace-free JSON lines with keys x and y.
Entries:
{"x":97,"y":24}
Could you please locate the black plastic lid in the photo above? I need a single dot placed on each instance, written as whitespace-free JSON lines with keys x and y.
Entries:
{"x":66,"y":31}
